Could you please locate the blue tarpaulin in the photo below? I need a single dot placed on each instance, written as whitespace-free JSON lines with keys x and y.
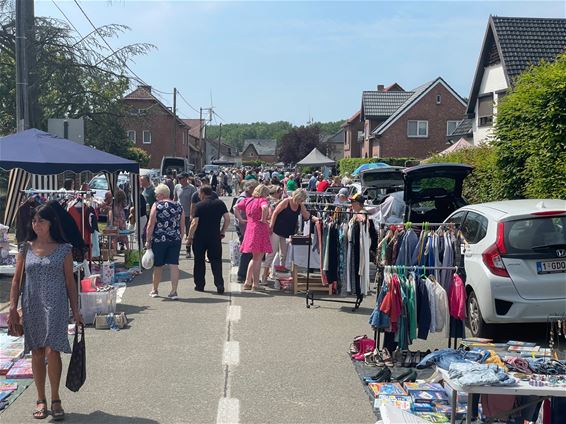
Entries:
{"x":38,"y":152}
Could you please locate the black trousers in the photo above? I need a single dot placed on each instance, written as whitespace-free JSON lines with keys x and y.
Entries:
{"x":211,"y":248}
{"x":245,"y":259}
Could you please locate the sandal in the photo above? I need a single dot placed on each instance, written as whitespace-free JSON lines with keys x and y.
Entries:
{"x":57,"y":414}
{"x":247,"y":286}
{"x":40,"y":413}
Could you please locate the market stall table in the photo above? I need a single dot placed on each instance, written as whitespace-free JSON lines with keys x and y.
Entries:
{"x":521,"y":389}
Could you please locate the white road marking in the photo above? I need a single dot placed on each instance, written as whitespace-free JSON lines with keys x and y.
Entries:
{"x":234,"y":270}
{"x":234,"y":313}
{"x":235,"y":287}
{"x":228,"y":411}
{"x":231,"y":354}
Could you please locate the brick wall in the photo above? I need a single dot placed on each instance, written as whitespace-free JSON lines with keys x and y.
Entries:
{"x":352,"y":147}
{"x":160,"y":124}
{"x":395,"y":143}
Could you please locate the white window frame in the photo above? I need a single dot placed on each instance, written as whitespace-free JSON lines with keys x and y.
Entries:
{"x":143,"y":137}
{"x":417,"y":135}
{"x":134,"y":135}
{"x":448,"y":123}
{"x":438,"y":99}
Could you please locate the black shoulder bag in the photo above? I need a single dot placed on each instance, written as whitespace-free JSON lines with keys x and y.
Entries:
{"x":76,"y":374}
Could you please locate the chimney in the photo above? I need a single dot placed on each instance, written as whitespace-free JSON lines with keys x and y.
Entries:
{"x":380,"y":87}
{"x":148,"y":87}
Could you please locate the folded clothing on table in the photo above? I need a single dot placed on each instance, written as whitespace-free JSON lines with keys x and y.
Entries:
{"x":470,"y":374}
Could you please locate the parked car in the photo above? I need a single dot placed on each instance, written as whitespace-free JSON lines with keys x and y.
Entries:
{"x":211,"y":168}
{"x":170,"y":164}
{"x":515,"y":261}
{"x":99,"y":184}
{"x":430,"y":193}
{"x":376,"y":183}
{"x":433,"y":191}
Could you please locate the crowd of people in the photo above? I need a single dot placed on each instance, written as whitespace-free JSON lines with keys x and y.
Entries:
{"x":181,"y":210}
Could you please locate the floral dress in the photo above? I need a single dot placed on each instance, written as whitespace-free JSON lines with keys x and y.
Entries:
{"x":45,"y":304}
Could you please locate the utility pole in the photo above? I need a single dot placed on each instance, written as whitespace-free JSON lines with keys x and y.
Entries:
{"x":174,"y":122}
{"x":24,"y":25}
{"x":219,"y":140}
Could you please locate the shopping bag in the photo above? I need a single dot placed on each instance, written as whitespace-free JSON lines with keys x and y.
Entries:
{"x":147,"y":259}
{"x":107,"y":272}
{"x":235,"y":252}
{"x":132,"y":258}
{"x":76,"y":374}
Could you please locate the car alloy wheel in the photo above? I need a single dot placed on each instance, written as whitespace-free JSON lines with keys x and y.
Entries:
{"x":474,"y":314}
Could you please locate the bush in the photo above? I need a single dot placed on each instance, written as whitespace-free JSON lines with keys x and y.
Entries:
{"x":531,"y":134}
{"x":349,"y":165}
{"x":482,"y":185}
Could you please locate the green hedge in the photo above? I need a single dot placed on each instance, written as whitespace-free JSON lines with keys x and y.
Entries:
{"x":483,"y":184}
{"x":349,"y":165}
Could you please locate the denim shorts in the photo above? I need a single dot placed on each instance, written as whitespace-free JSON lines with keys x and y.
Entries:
{"x":166,"y":253}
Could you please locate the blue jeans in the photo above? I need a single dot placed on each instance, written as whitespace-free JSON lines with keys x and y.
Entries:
{"x":444,"y":357}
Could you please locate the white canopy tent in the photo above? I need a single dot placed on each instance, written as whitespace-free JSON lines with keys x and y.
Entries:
{"x":316,"y":158}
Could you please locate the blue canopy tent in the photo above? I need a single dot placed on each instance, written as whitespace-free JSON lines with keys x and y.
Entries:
{"x":371,"y":165}
{"x":37,"y":153}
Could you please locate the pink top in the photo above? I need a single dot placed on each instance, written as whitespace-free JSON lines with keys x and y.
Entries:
{"x":457,"y":298}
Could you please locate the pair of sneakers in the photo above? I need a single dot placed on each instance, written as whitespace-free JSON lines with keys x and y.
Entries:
{"x":172,"y":296}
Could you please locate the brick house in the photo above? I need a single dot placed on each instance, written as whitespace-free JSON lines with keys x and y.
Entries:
{"x":262,"y":150}
{"x":510,"y":46}
{"x":415,"y":123}
{"x":353,"y":136}
{"x":149,"y":124}
{"x":333,"y":145}
{"x":196,"y":146}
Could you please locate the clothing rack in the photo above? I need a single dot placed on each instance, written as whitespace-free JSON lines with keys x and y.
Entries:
{"x":63,"y":192}
{"x":429,"y":225}
{"x":310,"y":295}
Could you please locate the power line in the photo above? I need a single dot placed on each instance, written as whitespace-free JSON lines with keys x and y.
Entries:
{"x":186,"y":101}
{"x":221,"y":118}
{"x":137,"y":77}
{"x":68,"y":20}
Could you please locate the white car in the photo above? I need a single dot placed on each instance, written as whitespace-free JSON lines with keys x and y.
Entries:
{"x":515,"y":261}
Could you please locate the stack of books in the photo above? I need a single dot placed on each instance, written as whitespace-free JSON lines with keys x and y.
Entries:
{"x":21,"y":369}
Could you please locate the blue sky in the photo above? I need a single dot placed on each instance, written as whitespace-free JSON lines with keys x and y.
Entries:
{"x":269,"y":61}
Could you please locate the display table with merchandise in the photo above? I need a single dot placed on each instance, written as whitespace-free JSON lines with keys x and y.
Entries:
{"x":522,"y":388}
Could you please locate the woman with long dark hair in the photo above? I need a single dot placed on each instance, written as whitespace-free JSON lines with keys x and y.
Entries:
{"x":46,"y":264}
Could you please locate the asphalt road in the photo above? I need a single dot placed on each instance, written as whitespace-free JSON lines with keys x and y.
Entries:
{"x":259,"y":357}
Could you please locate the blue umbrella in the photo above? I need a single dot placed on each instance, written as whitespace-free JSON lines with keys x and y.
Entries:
{"x":371,"y":165}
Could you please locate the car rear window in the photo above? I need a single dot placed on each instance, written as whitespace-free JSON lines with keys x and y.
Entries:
{"x":433,"y":186}
{"x":395,"y":176}
{"x":535,"y":234}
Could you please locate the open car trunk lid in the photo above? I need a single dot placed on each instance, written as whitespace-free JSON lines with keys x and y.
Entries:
{"x":386,"y":177}
{"x":431,"y":181}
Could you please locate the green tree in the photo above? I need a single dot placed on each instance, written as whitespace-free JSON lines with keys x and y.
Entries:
{"x":236,"y":134}
{"x":73,"y":77}
{"x":530,"y":134}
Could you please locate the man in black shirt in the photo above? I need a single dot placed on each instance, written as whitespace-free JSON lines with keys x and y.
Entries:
{"x":196,"y":195}
{"x":206,"y":237}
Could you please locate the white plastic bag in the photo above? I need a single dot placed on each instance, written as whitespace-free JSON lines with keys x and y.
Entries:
{"x":235,"y":252}
{"x":147,"y":259}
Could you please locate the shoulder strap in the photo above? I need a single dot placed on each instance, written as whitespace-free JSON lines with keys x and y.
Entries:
{"x":24,"y":253}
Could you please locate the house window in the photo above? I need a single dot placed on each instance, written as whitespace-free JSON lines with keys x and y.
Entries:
{"x":451,"y":126}
{"x":360,"y":136}
{"x":417,"y":129}
{"x":485,"y":110}
{"x":438,"y":99}
{"x":146,"y":137}
{"x":132,"y":136}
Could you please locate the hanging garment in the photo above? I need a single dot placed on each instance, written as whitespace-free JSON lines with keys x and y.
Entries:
{"x":423,"y":309}
{"x":457,"y":298}
{"x":364,"y":257}
{"x":447,"y":260}
{"x":408,"y":244}
{"x":392,"y":304}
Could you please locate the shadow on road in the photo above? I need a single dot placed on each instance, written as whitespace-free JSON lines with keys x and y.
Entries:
{"x":103,"y":417}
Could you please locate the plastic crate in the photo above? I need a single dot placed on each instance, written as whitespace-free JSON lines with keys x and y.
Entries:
{"x":97,"y":303}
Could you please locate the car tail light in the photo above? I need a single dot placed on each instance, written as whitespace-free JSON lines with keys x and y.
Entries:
{"x":492,"y":256}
